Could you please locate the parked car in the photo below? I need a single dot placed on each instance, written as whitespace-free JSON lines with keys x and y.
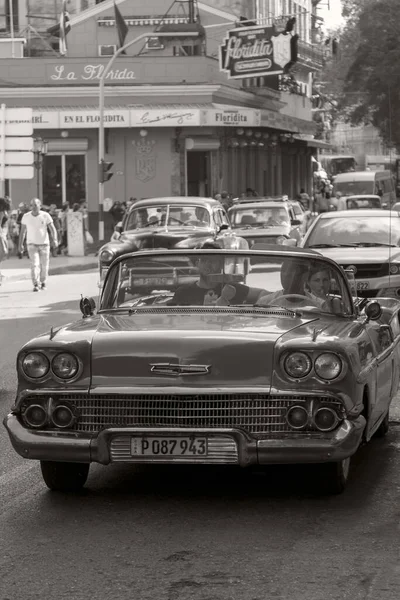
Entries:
{"x":266,"y":221}
{"x":170,"y":222}
{"x":210,"y":363}
{"x":365,"y":242}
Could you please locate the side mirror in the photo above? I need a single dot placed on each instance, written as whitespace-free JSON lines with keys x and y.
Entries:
{"x":295,"y":222}
{"x":373,"y":310}
{"x":87,"y":307}
{"x":223,"y":227}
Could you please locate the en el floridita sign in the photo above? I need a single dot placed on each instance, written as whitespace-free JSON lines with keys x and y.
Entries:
{"x":258,"y":51}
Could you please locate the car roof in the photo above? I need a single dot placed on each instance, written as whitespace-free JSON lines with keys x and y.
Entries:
{"x":375,"y":196}
{"x":359,"y":176}
{"x":372,"y":213}
{"x":264,"y":202}
{"x":178,"y":200}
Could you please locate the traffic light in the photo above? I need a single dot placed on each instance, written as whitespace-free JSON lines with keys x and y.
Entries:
{"x":104,"y":168}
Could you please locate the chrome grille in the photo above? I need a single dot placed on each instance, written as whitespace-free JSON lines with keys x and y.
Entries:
{"x":253,"y":413}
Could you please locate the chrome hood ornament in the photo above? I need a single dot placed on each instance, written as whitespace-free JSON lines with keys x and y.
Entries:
{"x":177,"y":370}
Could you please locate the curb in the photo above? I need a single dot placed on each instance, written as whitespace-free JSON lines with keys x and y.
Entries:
{"x":52,"y":271}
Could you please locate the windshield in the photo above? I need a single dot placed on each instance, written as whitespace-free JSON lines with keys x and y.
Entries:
{"x":355,"y":231}
{"x":270,"y":216}
{"x":168,"y":215}
{"x":215,"y":279}
{"x":354,"y":188}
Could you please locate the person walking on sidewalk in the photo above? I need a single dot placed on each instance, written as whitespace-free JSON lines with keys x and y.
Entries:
{"x":36,"y":225}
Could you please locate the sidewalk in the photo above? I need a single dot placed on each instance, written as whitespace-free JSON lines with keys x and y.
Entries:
{"x":15,"y":269}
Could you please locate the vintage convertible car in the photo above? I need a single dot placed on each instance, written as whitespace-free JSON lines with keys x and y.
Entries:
{"x":196,"y":357}
{"x":176,"y":222}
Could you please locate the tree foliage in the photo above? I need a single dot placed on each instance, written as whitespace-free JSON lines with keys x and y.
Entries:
{"x":371,"y":78}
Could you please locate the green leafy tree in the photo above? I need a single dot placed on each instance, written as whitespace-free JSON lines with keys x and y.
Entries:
{"x":371,"y":82}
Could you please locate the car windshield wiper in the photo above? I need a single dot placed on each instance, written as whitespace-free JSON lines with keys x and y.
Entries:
{"x":371,"y":244}
{"x":332,"y":246}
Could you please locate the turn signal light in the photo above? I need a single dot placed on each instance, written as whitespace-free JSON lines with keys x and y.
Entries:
{"x":35,"y":416}
{"x":297,"y":417}
{"x":62,"y":416}
{"x":325,"y":419}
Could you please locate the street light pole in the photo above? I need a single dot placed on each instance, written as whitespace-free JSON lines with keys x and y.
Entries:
{"x":172,"y":34}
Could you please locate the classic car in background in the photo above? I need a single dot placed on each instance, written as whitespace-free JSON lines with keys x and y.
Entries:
{"x":365,"y":242}
{"x":210,"y":362}
{"x":363,"y":201}
{"x":176,"y":222}
{"x":266,"y":221}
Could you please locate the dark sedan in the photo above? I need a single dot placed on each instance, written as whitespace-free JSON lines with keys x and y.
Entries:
{"x":170,"y":222}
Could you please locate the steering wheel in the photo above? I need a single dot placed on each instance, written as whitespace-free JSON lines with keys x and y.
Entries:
{"x":296,"y":297}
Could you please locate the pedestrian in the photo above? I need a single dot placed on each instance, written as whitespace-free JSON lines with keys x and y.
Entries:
{"x":22,"y":209}
{"x":117,"y":212}
{"x":226,"y":200}
{"x":5,"y":206}
{"x":38,"y":228}
{"x":64,"y":228}
{"x":304,"y":199}
{"x":53,"y":212}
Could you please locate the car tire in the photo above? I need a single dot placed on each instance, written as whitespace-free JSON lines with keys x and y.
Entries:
{"x":64,"y":476}
{"x":383,"y":427}
{"x":335,"y":476}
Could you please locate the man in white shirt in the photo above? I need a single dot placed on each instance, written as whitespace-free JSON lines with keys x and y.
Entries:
{"x":36,"y":225}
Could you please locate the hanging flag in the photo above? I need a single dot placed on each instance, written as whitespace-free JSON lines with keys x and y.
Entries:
{"x":122,"y":27}
{"x":65,"y":27}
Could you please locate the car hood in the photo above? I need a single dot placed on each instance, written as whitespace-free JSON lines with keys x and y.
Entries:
{"x":235,"y":349}
{"x":350,"y":256}
{"x":254,"y":232}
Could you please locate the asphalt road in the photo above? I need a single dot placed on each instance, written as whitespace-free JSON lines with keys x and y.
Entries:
{"x":179,"y":533}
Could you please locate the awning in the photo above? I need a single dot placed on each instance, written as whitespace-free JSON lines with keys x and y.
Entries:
{"x":313,"y":143}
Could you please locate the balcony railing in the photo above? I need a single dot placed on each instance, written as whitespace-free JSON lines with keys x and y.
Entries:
{"x":310,"y":55}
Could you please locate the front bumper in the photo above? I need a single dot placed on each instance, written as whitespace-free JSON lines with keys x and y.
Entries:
{"x":225,"y":446}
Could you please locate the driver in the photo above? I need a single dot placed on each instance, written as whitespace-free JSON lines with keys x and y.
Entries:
{"x":206,"y":291}
{"x":293,"y":275}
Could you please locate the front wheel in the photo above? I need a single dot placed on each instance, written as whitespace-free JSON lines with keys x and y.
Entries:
{"x":335,"y":476}
{"x":64,"y":476}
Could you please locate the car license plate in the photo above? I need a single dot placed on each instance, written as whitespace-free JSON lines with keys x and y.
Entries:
{"x":169,"y":446}
{"x":362,"y":285}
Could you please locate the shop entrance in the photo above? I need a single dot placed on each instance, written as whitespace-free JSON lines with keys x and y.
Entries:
{"x":63,"y":179}
{"x":198,"y":173}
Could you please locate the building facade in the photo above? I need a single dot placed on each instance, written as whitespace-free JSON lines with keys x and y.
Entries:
{"x":175,"y":122}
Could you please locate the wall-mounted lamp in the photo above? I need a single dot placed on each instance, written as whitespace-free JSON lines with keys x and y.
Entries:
{"x":64,"y":134}
{"x":240,"y":131}
{"x":266,"y":135}
{"x":253,"y":143}
{"x":234,"y":144}
{"x":249,"y":132}
{"x":257,"y":134}
{"x":143,"y":132}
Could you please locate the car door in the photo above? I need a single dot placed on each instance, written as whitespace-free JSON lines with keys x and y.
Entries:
{"x":382,"y":338}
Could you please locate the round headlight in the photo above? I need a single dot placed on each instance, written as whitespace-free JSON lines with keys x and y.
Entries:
{"x":328,"y":366}
{"x":63,"y":416}
{"x":297,"y":364}
{"x":65,"y":365}
{"x":393,"y":269}
{"x":106,"y":257}
{"x":35,"y":365}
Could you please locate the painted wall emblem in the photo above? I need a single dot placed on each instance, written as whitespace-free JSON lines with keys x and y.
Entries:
{"x":145,"y":159}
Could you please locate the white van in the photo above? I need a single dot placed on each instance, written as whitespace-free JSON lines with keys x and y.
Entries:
{"x":360,"y":183}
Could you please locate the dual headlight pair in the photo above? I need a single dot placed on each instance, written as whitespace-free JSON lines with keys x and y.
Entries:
{"x":327,"y":365}
{"x":37,"y":365}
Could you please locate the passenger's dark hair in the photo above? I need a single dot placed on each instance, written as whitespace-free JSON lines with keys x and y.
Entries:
{"x":5,"y":204}
{"x":210,"y":246}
